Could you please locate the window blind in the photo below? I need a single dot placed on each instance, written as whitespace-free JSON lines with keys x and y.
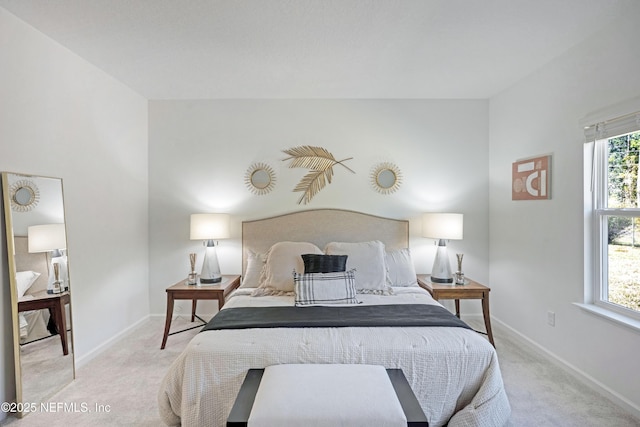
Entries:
{"x":614,"y":127}
{"x":613,"y":121}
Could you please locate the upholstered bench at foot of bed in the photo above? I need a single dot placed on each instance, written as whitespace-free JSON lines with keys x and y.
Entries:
{"x":330,"y":395}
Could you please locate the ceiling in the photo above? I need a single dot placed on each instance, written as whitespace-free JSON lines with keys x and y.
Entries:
{"x":205,"y":49}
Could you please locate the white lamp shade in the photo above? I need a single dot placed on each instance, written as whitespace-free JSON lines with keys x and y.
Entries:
{"x":46,"y":237}
{"x":446,"y":226}
{"x":209,"y":226}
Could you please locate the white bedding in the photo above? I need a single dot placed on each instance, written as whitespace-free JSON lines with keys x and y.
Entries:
{"x":454,"y":372}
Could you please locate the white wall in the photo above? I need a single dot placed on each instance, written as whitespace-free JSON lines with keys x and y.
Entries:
{"x":62,"y":117}
{"x":537,"y":247}
{"x":200,"y":151}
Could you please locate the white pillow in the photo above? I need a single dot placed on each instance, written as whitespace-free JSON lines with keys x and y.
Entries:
{"x":255,"y":264}
{"x":25,"y":279}
{"x":283,"y":258}
{"x":400,"y":268}
{"x":368,"y":259}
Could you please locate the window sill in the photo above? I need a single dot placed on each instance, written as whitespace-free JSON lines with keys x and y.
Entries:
{"x":612,"y":316}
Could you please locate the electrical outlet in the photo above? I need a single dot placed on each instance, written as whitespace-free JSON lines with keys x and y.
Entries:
{"x":551,"y":318}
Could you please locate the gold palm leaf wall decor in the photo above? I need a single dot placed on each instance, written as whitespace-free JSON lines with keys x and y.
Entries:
{"x":320,"y":163}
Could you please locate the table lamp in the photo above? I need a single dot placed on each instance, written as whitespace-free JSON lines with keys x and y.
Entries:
{"x":208,"y":228}
{"x":443,"y":227}
{"x":51,"y":238}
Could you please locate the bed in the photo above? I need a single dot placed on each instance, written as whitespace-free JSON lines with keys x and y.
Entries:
{"x":453,"y":370}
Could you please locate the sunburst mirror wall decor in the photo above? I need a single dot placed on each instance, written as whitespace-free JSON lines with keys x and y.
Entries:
{"x":260,"y":178}
{"x":386,"y":178}
{"x":320,"y":163}
{"x":24,"y":195}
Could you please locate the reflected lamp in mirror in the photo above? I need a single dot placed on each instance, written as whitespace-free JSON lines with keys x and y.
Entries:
{"x":442,"y":227}
{"x":53,"y":239}
{"x":209,"y":228}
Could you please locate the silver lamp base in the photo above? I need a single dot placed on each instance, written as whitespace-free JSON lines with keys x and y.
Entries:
{"x":438,"y":280}
{"x":441,"y":271}
{"x":210,"y":267}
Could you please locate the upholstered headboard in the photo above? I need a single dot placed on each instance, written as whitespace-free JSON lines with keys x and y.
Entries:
{"x":37,"y":262}
{"x":321,"y":226}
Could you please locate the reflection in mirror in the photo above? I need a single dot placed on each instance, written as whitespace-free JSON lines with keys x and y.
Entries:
{"x":40,"y":286}
{"x":24,"y":195}
{"x":260,"y":178}
{"x":386,"y":178}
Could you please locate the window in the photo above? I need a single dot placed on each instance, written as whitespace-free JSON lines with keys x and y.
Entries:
{"x":616,"y":217}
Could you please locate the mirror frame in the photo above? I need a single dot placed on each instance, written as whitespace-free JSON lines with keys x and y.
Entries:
{"x":9,"y":205}
{"x":34,"y":195}
{"x":256,"y":188}
{"x":382,"y":168}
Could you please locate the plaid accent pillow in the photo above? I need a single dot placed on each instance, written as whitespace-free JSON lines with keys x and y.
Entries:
{"x":325,"y":288}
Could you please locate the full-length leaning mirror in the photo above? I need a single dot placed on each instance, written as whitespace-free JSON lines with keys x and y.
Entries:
{"x":40,"y":286}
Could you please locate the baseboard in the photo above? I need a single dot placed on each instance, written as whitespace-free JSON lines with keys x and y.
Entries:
{"x":579,"y":374}
{"x":81,"y":361}
{"x":184,"y":315}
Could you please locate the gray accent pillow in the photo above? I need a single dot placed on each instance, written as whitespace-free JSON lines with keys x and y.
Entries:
{"x":315,"y":263}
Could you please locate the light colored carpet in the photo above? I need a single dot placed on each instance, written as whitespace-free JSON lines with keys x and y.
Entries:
{"x":543,"y":394}
{"x":44,"y":368}
{"x":125,"y":380}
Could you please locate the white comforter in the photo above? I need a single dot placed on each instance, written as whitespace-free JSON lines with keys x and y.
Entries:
{"x":454,"y":372}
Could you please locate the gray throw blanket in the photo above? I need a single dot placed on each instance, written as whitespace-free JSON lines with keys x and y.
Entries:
{"x":334,"y":317}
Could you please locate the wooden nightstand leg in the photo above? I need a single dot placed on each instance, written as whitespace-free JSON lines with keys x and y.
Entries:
{"x":61,"y":322}
{"x":457,"y":308}
{"x":487,"y":318}
{"x":167,"y":322}
{"x":194,"y":304}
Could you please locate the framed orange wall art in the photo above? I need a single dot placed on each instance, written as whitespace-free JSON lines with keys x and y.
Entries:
{"x":531,"y":179}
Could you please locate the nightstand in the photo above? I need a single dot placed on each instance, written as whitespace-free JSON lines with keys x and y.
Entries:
{"x":471,"y":290}
{"x":58,"y":319}
{"x":181,"y":290}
